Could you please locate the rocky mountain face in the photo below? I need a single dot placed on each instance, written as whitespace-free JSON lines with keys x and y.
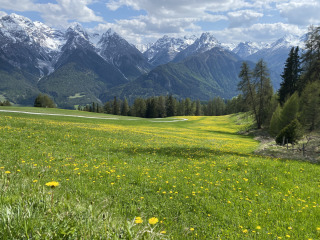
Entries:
{"x":200,"y":76}
{"x":165,"y":49}
{"x":39,"y":55}
{"x":79,"y":67}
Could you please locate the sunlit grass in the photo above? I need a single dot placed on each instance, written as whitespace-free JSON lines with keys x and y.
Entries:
{"x":198,"y":178}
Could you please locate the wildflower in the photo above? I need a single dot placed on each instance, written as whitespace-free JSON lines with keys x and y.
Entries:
{"x":35,"y":181}
{"x":191,"y":229}
{"x":52,"y":184}
{"x":7,"y":172}
{"x":138,"y":220}
{"x":258,"y":227}
{"x":153,"y":220}
{"x":163,"y":232}
{"x":289,"y":228}
{"x":287,"y":235}
{"x":245,"y":231}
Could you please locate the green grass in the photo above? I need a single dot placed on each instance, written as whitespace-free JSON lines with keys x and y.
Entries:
{"x":198,"y":177}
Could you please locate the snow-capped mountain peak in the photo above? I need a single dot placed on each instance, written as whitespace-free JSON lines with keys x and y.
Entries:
{"x":287,"y":41}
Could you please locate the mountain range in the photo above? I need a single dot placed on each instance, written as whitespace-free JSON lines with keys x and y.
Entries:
{"x":77,"y":67}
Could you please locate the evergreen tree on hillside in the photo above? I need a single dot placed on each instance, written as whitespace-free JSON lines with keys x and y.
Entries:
{"x":171,"y":104}
{"x":290,"y":75}
{"x":264,"y":92}
{"x":311,"y":59}
{"x":310,"y":106}
{"x":125,"y":108}
{"x":248,"y":89}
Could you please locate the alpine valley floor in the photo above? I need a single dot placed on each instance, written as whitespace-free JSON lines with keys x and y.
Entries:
{"x":195,"y":179}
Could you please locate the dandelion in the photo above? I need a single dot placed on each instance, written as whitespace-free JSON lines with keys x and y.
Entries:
{"x":245,"y":231}
{"x":153,"y":220}
{"x":258,"y":227}
{"x":163,"y":232}
{"x":52,"y":184}
{"x":138,"y":220}
{"x":35,"y":181}
{"x":7,"y":172}
{"x":191,"y":229}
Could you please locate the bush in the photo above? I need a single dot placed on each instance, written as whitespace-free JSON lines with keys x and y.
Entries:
{"x":44,"y":101}
{"x":291,"y":133}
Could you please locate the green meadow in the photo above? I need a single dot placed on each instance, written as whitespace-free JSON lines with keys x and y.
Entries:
{"x":132,"y":178}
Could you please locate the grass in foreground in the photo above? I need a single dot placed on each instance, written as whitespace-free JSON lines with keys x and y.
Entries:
{"x":139,"y":179}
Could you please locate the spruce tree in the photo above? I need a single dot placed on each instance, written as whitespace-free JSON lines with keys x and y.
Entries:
{"x":125,"y":107}
{"x":290,"y":75}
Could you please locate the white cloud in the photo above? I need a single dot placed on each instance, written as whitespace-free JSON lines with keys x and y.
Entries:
{"x":18,"y":5}
{"x":2,"y":14}
{"x":55,"y":14}
{"x":243,"y":18}
{"x":258,"y":32}
{"x":301,"y":12}
{"x":66,"y":10}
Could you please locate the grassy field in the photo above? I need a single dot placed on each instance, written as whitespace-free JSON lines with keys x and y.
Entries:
{"x":131,"y":178}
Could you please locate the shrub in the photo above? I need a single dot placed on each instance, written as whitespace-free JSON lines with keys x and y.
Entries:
{"x":291,"y":133}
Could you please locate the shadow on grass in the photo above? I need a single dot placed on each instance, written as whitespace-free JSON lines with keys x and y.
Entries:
{"x":182,"y":152}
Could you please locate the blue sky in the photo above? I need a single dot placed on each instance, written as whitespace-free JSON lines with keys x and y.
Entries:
{"x":142,"y":21}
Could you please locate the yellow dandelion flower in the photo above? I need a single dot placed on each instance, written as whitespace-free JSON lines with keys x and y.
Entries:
{"x":289,"y":228}
{"x":287,"y":235}
{"x":7,"y":172}
{"x":52,"y":184}
{"x":191,"y":229}
{"x":258,"y":227}
{"x":138,"y":220}
{"x":163,"y":232}
{"x":153,"y":220}
{"x":318,"y":228}
{"x":35,"y":181}
{"x":245,"y":231}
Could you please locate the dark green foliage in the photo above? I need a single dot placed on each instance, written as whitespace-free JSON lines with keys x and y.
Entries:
{"x":275,"y":123}
{"x":171,"y":106}
{"x":291,"y":133}
{"x":290,"y":110}
{"x":203,"y":76}
{"x":5,"y":103}
{"x":310,"y":106}
{"x":257,"y":91}
{"x":198,"y":108}
{"x":264,"y":92}
{"x":311,"y":59}
{"x":125,"y":108}
{"x":290,"y":75}
{"x":43,"y":100}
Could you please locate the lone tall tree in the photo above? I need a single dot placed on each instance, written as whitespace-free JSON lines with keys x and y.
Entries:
{"x":248,"y":89}
{"x":290,"y":75}
{"x":257,"y":90}
{"x":264,"y":91}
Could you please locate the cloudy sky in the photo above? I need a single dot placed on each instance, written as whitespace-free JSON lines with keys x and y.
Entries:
{"x":141,"y":21}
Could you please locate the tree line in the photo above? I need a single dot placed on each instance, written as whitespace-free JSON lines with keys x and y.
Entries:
{"x":167,"y":106}
{"x":295,"y":108}
{"x":5,"y":103}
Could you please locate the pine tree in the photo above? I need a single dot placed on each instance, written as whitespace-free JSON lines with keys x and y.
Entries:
{"x":162,"y":107}
{"x":125,"y":107}
{"x":275,"y":123}
{"x":248,"y":89}
{"x":198,"y":111}
{"x":310,"y":106}
{"x":115,"y":107}
{"x":264,"y":91}
{"x":290,"y":75}
{"x":290,"y":110}
{"x":171,"y":104}
{"x":311,"y":59}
